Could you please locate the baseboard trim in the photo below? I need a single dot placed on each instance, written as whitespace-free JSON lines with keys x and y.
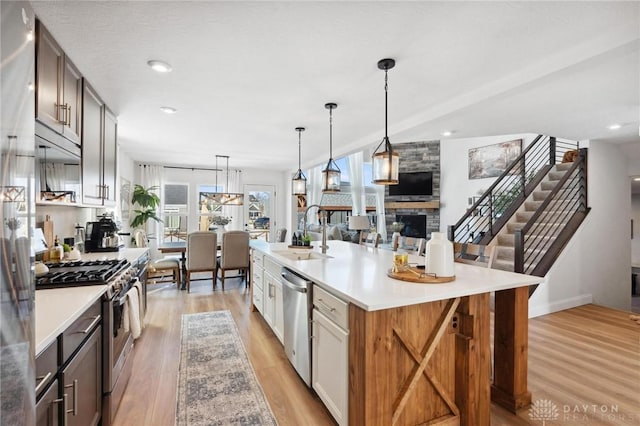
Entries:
{"x":560,"y":305}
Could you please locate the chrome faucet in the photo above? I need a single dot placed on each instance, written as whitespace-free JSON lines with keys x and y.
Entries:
{"x":324,"y":245}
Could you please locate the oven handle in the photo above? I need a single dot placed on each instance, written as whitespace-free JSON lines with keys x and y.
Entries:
{"x":95,"y":321}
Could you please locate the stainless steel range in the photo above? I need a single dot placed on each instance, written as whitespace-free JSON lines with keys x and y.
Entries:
{"x":117,"y":344}
{"x":82,"y":272}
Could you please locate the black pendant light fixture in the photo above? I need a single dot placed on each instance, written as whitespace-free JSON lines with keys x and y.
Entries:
{"x":331,"y":173}
{"x":299,"y":181}
{"x":385,"y":163}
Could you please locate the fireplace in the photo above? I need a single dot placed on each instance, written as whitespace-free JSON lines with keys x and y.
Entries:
{"x":415,"y":225}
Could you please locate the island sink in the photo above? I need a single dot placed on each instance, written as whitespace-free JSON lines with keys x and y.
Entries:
{"x":301,"y":254}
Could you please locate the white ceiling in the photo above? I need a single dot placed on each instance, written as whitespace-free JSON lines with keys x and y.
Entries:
{"x":245,"y":74}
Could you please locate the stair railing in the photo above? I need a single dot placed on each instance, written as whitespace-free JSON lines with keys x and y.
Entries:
{"x":484,"y":219}
{"x":538,"y":244}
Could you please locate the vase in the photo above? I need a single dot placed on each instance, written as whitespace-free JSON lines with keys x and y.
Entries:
{"x":221,"y":229}
{"x":439,"y":258}
{"x":395,"y":240}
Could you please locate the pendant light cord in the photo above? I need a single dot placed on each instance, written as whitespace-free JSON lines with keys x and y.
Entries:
{"x":330,"y":133}
{"x":386,"y":89}
{"x":299,"y":148}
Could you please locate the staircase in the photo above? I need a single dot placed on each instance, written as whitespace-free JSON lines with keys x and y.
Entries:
{"x":532,"y":210}
{"x":505,"y":242}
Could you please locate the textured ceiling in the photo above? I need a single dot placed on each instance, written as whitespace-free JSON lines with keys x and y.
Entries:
{"x":245,"y":74}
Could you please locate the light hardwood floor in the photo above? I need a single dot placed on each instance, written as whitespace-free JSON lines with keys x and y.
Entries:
{"x":585,"y":362}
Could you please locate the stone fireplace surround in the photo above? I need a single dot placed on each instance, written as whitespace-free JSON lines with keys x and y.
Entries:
{"x":416,"y":157}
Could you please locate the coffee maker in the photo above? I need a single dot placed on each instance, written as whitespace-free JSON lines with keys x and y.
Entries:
{"x":102,"y":236}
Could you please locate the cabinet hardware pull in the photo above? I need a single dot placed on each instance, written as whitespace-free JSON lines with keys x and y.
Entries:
{"x":106,"y":187}
{"x":64,"y":406}
{"x":43,"y":381}
{"x":67,"y":115}
{"x":63,"y":108}
{"x":95,"y":321}
{"x":324,"y":305}
{"x":74,"y":385}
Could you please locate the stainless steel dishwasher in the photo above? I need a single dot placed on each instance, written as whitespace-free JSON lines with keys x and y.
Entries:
{"x":296,"y":298}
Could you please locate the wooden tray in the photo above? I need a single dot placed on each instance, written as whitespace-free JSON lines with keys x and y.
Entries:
{"x":414,"y":278}
{"x":299,"y":247}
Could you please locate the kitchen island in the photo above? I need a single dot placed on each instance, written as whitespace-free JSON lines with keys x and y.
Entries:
{"x":420,"y":353}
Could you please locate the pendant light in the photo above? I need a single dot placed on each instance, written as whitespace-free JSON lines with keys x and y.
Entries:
{"x":385,"y":163}
{"x":299,"y":181}
{"x":331,"y":173}
{"x":225,"y":198}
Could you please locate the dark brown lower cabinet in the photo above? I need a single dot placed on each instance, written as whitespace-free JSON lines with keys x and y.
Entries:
{"x":82,"y":383}
{"x":49,"y":407}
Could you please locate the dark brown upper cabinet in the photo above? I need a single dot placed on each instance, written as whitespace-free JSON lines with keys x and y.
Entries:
{"x":58,"y":88}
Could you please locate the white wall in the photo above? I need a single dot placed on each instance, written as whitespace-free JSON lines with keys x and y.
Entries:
{"x":455,"y":185}
{"x":635,"y":215}
{"x":595,"y":265}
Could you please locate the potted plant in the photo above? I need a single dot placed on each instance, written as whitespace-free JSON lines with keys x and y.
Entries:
{"x":306,"y":240}
{"x":149,"y":202}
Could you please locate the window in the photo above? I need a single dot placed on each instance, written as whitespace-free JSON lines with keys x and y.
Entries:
{"x":175,"y":211}
{"x":207,"y":209}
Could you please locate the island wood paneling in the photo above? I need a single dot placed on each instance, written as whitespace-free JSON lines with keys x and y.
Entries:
{"x":404,"y":360}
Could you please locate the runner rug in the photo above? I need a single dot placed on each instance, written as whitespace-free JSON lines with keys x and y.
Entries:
{"x":216,"y":383}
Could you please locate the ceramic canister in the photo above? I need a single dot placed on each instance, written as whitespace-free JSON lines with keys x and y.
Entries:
{"x":439,"y":258}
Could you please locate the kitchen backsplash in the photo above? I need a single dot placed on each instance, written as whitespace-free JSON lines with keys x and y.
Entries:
{"x":64,"y":218}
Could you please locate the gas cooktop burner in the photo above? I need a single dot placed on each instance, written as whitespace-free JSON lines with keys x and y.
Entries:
{"x":78,"y":273}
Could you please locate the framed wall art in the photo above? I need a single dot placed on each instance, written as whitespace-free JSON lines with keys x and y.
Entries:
{"x":492,"y":160}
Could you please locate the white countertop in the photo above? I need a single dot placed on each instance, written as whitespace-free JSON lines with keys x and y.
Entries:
{"x":358,"y":274}
{"x":56,"y":309}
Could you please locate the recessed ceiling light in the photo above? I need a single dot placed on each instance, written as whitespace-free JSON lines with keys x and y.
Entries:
{"x":159,"y":66}
{"x":614,"y":126}
{"x":637,"y":179}
{"x":447,"y":133}
{"x":168,"y":110}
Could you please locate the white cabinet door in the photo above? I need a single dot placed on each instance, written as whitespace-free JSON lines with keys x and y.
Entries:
{"x":269,"y":298}
{"x":329,"y":368}
{"x":278,"y":319}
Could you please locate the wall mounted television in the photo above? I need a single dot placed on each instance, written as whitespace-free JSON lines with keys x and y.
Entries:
{"x":414,"y":183}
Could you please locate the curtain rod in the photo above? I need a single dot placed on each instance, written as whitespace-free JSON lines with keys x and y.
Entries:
{"x":194,"y":168}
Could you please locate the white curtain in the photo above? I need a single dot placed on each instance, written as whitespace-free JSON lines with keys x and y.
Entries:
{"x":234,"y":212}
{"x":55,"y":176}
{"x":357,"y":184}
{"x":380,"y":214}
{"x":152,"y":175}
{"x":314,"y":192}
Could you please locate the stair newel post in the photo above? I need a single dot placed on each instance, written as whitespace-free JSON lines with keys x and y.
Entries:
{"x":451,"y":233}
{"x":518,"y":245}
{"x":491,"y":219}
{"x":582,"y":155}
{"x":552,"y":150}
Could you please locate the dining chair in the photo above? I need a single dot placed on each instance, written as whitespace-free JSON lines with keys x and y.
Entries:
{"x":202,"y":250}
{"x":158,"y":267}
{"x":412,"y":244}
{"x":370,"y":239}
{"x":473,"y":254}
{"x":235,"y":255}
